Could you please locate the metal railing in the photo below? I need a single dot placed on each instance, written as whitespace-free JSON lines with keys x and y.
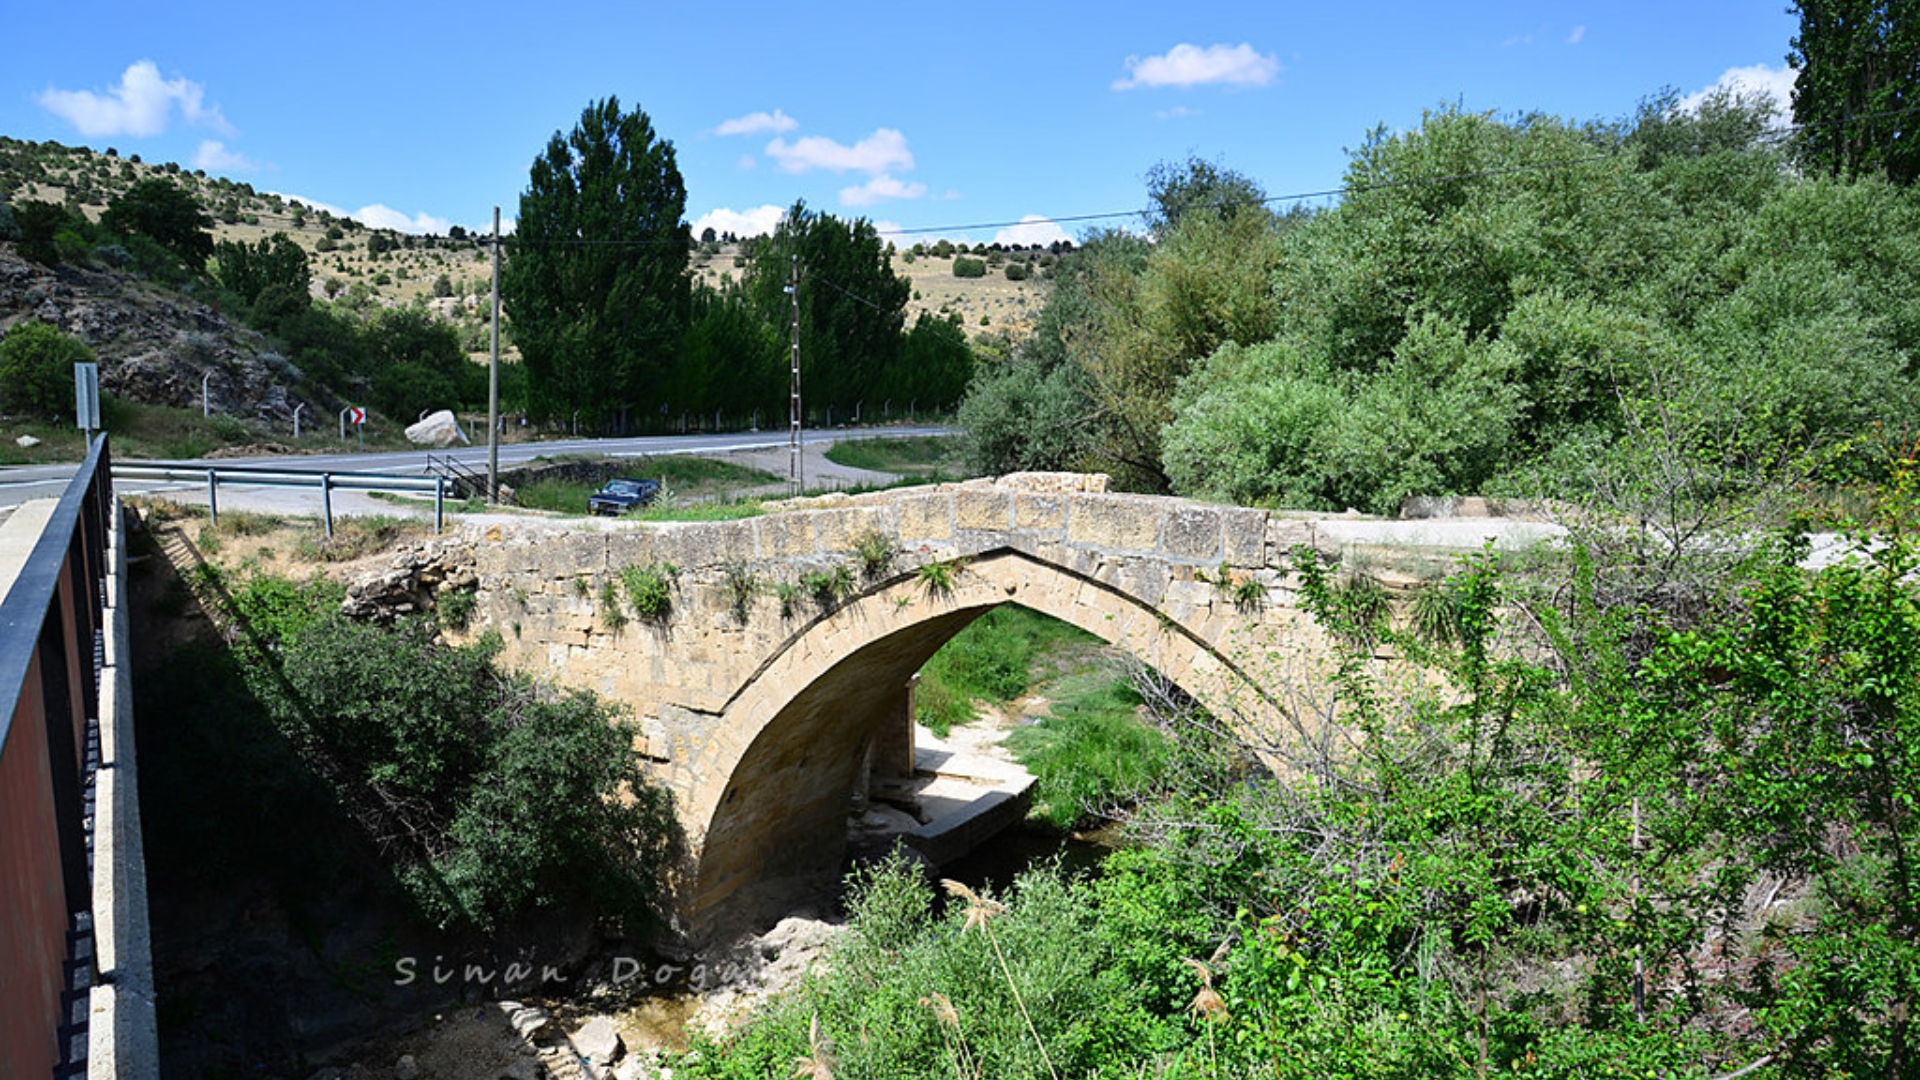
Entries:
{"x":51,"y":654}
{"x":325,"y":482}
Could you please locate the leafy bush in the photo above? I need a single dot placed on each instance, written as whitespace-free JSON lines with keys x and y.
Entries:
{"x":828,"y":587}
{"x":650,"y":590}
{"x":36,"y":369}
{"x":964,"y":267}
{"x":494,"y":796}
{"x":1019,"y":270}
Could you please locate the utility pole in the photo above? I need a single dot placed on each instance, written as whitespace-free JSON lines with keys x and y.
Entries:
{"x":493,"y":376}
{"x":796,"y":465}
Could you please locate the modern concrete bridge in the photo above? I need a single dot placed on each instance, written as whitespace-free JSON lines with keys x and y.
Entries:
{"x":766,"y":696}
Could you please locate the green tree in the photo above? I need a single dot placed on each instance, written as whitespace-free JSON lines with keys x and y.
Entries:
{"x":271,"y":277}
{"x":597,"y":285}
{"x":1197,"y":185}
{"x":417,"y":364}
{"x":735,"y":360}
{"x":36,"y":369}
{"x":1859,"y":82}
{"x":166,"y":214}
{"x":41,"y":226}
{"x":852,"y":306}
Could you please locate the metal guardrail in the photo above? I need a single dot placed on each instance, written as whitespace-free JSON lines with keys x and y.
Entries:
{"x":257,"y":476}
{"x":51,"y":654}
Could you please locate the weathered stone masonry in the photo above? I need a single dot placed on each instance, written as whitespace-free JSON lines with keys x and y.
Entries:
{"x":760,"y":727}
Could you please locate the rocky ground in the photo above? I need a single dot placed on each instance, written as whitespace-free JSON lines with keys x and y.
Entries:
{"x":153,"y":346}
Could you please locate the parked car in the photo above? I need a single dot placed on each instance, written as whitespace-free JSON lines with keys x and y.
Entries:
{"x":618,"y":496}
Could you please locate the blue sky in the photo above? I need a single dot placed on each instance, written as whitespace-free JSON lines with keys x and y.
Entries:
{"x":917,"y":116}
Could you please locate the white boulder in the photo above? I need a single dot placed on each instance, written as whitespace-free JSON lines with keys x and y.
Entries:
{"x":437,"y":429}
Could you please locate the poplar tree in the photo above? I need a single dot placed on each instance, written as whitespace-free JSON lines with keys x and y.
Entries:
{"x":597,"y":285}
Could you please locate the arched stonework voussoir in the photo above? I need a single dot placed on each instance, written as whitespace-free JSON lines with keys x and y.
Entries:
{"x":767,"y":814}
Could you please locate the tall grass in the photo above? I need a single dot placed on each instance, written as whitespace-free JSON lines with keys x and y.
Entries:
{"x":1092,"y":750}
{"x":991,"y":660}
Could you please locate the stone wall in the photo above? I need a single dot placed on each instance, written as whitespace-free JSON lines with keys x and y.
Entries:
{"x":755,"y":704}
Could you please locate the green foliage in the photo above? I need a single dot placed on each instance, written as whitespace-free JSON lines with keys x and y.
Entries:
{"x":852,"y":311}
{"x":912,"y":995}
{"x":828,"y":587}
{"x":1858,"y":63}
{"x":455,"y":608}
{"x":741,"y":585}
{"x":1018,"y":270}
{"x":600,"y":325}
{"x":1024,"y":416}
{"x":649,"y":589}
{"x":991,"y":660}
{"x":964,"y":267}
{"x":418,"y":364}
{"x":1512,"y":332}
{"x":166,"y":214}
{"x":494,"y":798}
{"x":271,"y":277}
{"x":49,"y":233}
{"x":36,"y":369}
{"x":937,"y":579}
{"x":1091,"y":752}
{"x":874,"y":551}
{"x":611,"y":611}
{"x":789,"y":594}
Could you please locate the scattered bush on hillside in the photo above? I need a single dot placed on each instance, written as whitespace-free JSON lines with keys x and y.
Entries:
{"x":964,"y":267}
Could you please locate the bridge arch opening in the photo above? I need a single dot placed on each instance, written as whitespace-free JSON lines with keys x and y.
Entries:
{"x":775,"y":833}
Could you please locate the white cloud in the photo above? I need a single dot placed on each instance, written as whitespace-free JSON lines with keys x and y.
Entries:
{"x":1178,"y":112}
{"x":879,"y":152}
{"x":757,"y":124}
{"x":380,"y":216}
{"x":1579,"y":34}
{"x":214,"y":157}
{"x":140,"y":105}
{"x":747,"y":161}
{"x":759,"y":221}
{"x":1033,"y":229}
{"x":1191,"y":65}
{"x":1759,"y":78}
{"x":1517,"y":40}
{"x":880,"y":187}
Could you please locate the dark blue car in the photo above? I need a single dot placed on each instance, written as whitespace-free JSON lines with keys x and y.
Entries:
{"x":617,"y":497}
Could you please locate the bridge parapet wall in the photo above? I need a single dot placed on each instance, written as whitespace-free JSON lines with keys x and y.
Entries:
{"x":547,"y":592}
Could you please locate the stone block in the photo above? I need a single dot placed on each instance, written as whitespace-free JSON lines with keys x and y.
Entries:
{"x":837,"y":531}
{"x":1283,"y":535}
{"x":1191,"y":533}
{"x":1047,"y":513}
{"x":982,"y":510}
{"x":784,"y":536}
{"x":1112,"y":522}
{"x":1246,"y":536}
{"x":923,"y":517}
{"x":708,"y":543}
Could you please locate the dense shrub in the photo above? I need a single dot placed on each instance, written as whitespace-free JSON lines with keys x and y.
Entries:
{"x":36,"y":369}
{"x":964,"y":267}
{"x":494,"y":797}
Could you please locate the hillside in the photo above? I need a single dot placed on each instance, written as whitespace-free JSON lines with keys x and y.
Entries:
{"x":366,"y":268}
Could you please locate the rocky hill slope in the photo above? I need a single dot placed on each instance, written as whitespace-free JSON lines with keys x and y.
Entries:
{"x":154,"y":346}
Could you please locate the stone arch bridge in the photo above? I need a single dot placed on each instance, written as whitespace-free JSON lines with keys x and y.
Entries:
{"x":762,"y":705}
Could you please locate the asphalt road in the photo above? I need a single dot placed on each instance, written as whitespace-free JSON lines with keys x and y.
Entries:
{"x":21,"y":483}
